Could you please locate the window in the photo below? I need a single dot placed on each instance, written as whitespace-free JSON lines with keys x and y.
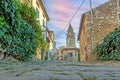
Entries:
{"x":44,"y":24}
{"x":37,"y":12}
{"x":44,"y":35}
{"x":71,"y":54}
{"x":118,"y":3}
{"x":118,"y":18}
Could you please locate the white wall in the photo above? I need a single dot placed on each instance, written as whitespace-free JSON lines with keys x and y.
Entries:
{"x":41,"y":13}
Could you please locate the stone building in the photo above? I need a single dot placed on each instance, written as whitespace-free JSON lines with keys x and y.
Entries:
{"x":59,"y":54}
{"x":69,"y":52}
{"x":94,"y":27}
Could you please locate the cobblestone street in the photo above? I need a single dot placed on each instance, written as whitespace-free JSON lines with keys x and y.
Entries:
{"x":59,"y":39}
{"x":59,"y":70}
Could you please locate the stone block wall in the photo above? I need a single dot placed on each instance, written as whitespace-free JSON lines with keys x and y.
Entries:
{"x":105,"y":20}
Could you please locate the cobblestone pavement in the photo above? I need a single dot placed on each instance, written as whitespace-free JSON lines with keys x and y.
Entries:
{"x":59,"y":70}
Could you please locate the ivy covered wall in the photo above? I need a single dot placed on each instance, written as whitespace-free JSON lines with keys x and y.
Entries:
{"x":109,"y":49}
{"x":20,"y":34}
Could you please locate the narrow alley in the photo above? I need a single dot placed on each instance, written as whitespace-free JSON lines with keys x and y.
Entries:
{"x":59,"y":70}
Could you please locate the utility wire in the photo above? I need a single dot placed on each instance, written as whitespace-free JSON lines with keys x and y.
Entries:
{"x":70,"y":19}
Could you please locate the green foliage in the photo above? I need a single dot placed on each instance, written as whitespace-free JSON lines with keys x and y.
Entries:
{"x":2,"y":21}
{"x":16,"y":35}
{"x":29,"y":14}
{"x":109,"y":49}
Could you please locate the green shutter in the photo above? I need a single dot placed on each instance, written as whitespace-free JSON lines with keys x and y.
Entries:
{"x":37,"y":12}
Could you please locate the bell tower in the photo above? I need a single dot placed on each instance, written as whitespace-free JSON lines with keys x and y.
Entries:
{"x":70,"y":38}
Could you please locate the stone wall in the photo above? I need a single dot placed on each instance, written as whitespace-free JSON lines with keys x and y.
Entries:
{"x":59,"y":53}
{"x":82,"y":37}
{"x":105,"y":20}
{"x":4,"y":55}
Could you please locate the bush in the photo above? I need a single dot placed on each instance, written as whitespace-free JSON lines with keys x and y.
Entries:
{"x":110,"y":48}
{"x":16,"y":35}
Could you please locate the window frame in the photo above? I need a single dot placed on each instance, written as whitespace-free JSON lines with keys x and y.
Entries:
{"x":118,"y":3}
{"x":37,"y":13}
{"x":71,"y":54}
{"x":118,"y":15}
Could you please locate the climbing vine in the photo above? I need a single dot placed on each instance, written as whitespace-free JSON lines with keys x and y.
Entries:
{"x":16,"y":35}
{"x":109,"y":49}
{"x":30,"y":15}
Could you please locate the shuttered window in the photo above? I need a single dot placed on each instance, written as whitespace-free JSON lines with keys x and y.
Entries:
{"x":37,"y":12}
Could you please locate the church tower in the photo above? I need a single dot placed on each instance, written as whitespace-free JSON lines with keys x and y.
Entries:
{"x":70,"y":38}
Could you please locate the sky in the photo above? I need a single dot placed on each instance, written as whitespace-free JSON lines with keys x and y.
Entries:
{"x":61,"y":11}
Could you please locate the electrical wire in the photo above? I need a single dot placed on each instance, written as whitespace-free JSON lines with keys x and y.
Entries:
{"x":70,"y":19}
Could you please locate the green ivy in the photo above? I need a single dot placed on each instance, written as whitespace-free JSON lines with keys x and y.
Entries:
{"x":16,"y":35}
{"x":29,"y":14}
{"x":109,"y":49}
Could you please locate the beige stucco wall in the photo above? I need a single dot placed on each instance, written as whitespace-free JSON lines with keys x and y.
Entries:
{"x":74,"y":54}
{"x":42,"y":15}
{"x":50,"y":45}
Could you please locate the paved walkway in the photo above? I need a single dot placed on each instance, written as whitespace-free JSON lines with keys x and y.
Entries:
{"x":59,"y":70}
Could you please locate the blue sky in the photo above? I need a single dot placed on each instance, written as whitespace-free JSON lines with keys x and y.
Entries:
{"x":60,"y":12}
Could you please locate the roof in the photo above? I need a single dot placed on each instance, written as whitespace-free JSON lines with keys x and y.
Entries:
{"x":43,"y":8}
{"x":70,"y":28}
